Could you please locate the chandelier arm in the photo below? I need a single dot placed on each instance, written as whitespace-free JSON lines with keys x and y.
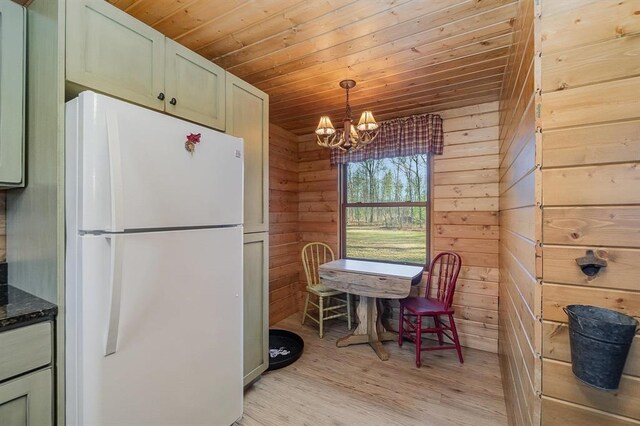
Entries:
{"x":367,"y":136}
{"x":326,"y":141}
{"x":338,"y":140}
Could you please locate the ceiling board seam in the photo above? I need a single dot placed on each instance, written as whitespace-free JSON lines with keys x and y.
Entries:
{"x":387,"y":57}
{"x":236,"y":33}
{"x":427,"y":107}
{"x":427,"y":68}
{"x":332,"y":30}
{"x":221,"y":17}
{"x":417,"y":103}
{"x":183,"y":10}
{"x":378,"y":90}
{"x":390,"y":99}
{"x":470,"y":17}
{"x":262,"y":83}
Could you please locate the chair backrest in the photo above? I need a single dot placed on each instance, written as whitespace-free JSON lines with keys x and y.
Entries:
{"x":314,"y":255}
{"x":443,"y":274}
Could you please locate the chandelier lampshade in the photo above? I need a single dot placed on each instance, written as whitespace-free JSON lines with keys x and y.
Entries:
{"x":367,"y":122}
{"x":350,"y":137}
{"x":325,"y":127}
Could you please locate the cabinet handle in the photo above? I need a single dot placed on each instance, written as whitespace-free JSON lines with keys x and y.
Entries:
{"x":161,"y":96}
{"x":173,"y":101}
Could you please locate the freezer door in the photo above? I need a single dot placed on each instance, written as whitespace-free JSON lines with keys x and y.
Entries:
{"x":154,"y":329}
{"x":135,"y":168}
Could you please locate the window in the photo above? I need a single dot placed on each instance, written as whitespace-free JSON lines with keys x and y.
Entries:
{"x":384,"y":209}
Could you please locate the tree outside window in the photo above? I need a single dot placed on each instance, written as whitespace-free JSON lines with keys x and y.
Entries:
{"x":384,"y":209}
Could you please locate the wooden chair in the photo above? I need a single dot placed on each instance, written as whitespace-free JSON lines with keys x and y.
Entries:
{"x":443,"y":273}
{"x":314,"y":255}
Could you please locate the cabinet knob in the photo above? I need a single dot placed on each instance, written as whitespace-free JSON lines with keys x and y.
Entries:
{"x":173,"y":101}
{"x":161,"y":96}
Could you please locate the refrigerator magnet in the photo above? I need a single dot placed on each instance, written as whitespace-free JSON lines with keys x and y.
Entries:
{"x":192,"y":140}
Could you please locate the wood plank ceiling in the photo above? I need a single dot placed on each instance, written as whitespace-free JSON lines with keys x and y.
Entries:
{"x":407,"y":56}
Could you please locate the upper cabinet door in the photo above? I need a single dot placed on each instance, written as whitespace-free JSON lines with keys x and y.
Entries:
{"x":195,"y":87}
{"x":248,"y":118}
{"x":112,"y":52}
{"x":12,"y":80}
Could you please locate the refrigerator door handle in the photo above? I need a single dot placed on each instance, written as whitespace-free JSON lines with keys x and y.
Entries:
{"x":115,"y":172}
{"x":115,"y":279}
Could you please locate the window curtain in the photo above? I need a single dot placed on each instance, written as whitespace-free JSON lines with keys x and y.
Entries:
{"x":417,"y":134}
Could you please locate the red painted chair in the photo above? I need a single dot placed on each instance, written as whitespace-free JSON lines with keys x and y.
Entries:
{"x":443,"y":273}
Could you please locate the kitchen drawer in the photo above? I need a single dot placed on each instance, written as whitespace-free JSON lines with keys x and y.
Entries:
{"x":25,"y":349}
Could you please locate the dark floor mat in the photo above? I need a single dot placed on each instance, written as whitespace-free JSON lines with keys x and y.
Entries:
{"x":285,"y":348}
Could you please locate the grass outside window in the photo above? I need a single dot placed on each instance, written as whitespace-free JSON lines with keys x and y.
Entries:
{"x":385,"y":210}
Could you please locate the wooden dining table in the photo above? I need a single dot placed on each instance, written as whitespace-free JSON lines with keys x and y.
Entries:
{"x":371,"y":281}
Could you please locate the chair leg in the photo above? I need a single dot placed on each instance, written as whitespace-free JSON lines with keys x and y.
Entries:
{"x":436,"y":323}
{"x":349,"y":311}
{"x":401,"y":326}
{"x":456,"y":341}
{"x":321,"y":314}
{"x":418,"y":341}
{"x":304,"y":313}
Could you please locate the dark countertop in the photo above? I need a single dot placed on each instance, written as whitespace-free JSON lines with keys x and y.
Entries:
{"x":19,"y":308}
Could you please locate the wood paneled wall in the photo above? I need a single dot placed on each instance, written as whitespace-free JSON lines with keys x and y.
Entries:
{"x":569,"y":181}
{"x":465,"y":219}
{"x":318,"y":207}
{"x":519,"y":343}
{"x":590,"y":119}
{"x":284,"y":257}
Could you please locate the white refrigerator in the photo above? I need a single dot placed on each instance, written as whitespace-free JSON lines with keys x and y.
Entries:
{"x":153,"y":268}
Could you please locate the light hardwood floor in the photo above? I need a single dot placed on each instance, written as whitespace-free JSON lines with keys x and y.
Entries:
{"x":351,"y":386}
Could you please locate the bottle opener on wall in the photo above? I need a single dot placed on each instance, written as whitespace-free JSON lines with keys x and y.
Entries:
{"x":590,"y":264}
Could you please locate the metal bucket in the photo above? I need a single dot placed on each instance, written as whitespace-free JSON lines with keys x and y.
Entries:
{"x":600,"y":340}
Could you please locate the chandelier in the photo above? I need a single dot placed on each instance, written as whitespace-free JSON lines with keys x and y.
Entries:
{"x":350,"y":138}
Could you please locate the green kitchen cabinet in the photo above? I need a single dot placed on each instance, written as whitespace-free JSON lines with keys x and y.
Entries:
{"x":12,"y":93}
{"x":248,"y":118}
{"x":27,"y":400}
{"x":26,"y":378}
{"x":195,"y":87}
{"x":256,"y":305}
{"x":25,"y":349}
{"x":111,"y":52}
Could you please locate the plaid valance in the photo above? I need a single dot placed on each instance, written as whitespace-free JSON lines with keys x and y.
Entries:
{"x":417,"y":134}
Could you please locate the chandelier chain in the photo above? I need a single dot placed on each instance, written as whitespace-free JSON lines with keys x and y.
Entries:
{"x":348,"y":108}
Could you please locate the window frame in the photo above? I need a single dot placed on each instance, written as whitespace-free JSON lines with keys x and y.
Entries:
{"x":427,"y":204}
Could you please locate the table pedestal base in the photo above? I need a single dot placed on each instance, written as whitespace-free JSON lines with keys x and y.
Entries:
{"x":370,"y":329}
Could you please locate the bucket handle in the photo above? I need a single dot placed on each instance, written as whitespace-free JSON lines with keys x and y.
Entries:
{"x":577,"y":318}
{"x":572,"y":315}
